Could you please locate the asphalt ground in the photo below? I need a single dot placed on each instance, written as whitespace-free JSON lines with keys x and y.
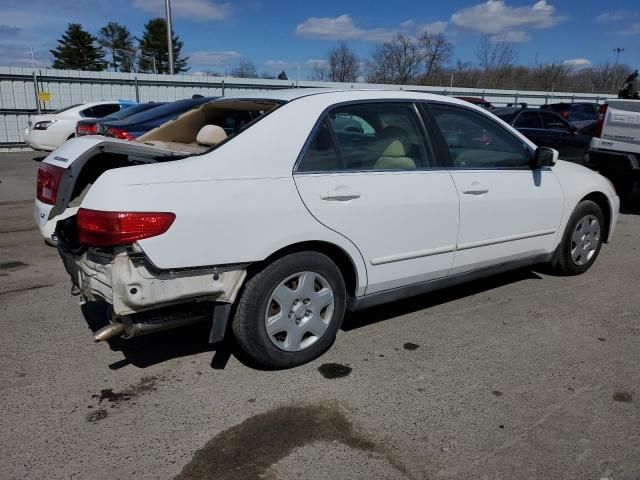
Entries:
{"x":524,"y":375}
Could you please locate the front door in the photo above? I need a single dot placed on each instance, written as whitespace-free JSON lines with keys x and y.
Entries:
{"x":508,"y":211}
{"x":369,"y":173}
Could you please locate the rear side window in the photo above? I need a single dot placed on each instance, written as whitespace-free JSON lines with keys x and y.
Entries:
{"x":374,"y":136}
{"x":475,"y":141}
{"x":321,"y":154}
{"x":100,"y":111}
{"x":382,"y":136}
{"x":528,"y":120}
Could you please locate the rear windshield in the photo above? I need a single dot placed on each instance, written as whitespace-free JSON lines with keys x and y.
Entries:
{"x":67,"y":108}
{"x":127,"y":112}
{"x":168,"y":109}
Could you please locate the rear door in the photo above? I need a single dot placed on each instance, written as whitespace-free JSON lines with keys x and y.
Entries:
{"x":369,"y":173}
{"x":507,"y":210}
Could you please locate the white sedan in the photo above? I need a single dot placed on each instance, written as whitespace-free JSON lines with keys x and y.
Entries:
{"x":49,"y":131}
{"x":325,"y":201}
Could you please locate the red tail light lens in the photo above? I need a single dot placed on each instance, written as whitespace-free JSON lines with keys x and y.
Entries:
{"x":119,"y":133}
{"x":84,"y":129}
{"x":603,"y":112}
{"x":48,"y":182}
{"x":107,"y":229}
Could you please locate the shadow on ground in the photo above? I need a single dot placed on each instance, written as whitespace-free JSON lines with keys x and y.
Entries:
{"x":145,"y":351}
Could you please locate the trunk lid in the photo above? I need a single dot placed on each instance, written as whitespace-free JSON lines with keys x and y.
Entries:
{"x":82,"y":161}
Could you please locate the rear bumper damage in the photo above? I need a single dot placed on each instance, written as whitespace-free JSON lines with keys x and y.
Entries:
{"x":130,"y":285}
{"x":145,"y":299}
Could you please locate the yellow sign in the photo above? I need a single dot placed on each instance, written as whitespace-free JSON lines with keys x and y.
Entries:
{"x":44,"y":96}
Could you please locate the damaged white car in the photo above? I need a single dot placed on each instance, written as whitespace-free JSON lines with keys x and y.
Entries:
{"x":274,"y":213}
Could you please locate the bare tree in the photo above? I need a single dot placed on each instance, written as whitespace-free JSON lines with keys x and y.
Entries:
{"x":396,"y":61}
{"x":343,"y":64}
{"x":436,"y":52}
{"x":319,"y":71}
{"x":245,"y":69}
{"x":551,"y":76}
{"x":496,"y":58}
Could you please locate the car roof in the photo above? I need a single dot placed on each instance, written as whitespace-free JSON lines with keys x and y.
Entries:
{"x":334,"y":95}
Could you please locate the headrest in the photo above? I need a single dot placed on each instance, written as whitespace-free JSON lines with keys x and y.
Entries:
{"x":395,"y":149}
{"x":211,"y":135}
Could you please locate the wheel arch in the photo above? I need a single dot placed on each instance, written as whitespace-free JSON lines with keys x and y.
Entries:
{"x":600,"y":199}
{"x":338,"y":255}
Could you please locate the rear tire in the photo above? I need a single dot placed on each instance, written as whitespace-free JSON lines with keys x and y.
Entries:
{"x":582,"y":240}
{"x":290,"y":312}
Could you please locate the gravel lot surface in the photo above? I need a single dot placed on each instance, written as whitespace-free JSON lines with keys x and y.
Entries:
{"x":524,"y":375}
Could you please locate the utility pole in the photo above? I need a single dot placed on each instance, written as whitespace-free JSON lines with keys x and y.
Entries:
{"x":618,"y":51}
{"x":167,"y":8}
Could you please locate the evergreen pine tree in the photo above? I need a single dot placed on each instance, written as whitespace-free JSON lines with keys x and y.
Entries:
{"x":76,"y":50}
{"x":114,"y":38}
{"x":154,"y":44}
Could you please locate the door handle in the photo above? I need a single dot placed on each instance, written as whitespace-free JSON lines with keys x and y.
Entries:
{"x":340,"y":194}
{"x":475,"y":189}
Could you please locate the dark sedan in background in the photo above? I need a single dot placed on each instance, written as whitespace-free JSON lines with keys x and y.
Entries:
{"x":134,"y":126}
{"x":94,"y":126}
{"x":548,"y":129}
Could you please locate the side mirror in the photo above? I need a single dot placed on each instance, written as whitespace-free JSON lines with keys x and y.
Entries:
{"x":544,"y":157}
{"x":573,"y":128}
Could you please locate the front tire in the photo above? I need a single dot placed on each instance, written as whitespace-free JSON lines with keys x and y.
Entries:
{"x":290,"y":312}
{"x":581,"y":241}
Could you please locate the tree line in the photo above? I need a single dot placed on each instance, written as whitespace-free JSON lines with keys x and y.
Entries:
{"x":115,"y":47}
{"x":429,"y":60}
{"x":402,"y":60}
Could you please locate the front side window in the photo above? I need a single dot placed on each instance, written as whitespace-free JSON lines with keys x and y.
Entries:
{"x":381,"y":136}
{"x":475,"y":141}
{"x":554,"y":122}
{"x":528,"y":120}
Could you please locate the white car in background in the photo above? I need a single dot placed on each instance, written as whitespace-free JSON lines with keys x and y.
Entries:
{"x":49,"y":131}
{"x":324,"y":201}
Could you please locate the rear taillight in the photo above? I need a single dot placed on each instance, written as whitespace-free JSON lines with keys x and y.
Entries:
{"x":48,"y":182}
{"x":602,"y":109}
{"x":108,"y":229}
{"x":119,"y":133}
{"x":84,"y":129}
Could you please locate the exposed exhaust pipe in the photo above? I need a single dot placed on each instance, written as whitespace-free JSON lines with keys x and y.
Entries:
{"x":155,"y":321}
{"x":109,"y":331}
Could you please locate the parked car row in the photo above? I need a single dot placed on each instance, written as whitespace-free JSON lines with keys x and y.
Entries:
{"x":274,"y":212}
{"x":124,"y":120}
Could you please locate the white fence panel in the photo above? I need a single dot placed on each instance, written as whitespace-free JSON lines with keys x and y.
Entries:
{"x":67,"y":87}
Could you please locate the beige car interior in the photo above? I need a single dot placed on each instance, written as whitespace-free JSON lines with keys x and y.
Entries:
{"x":201,"y":128}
